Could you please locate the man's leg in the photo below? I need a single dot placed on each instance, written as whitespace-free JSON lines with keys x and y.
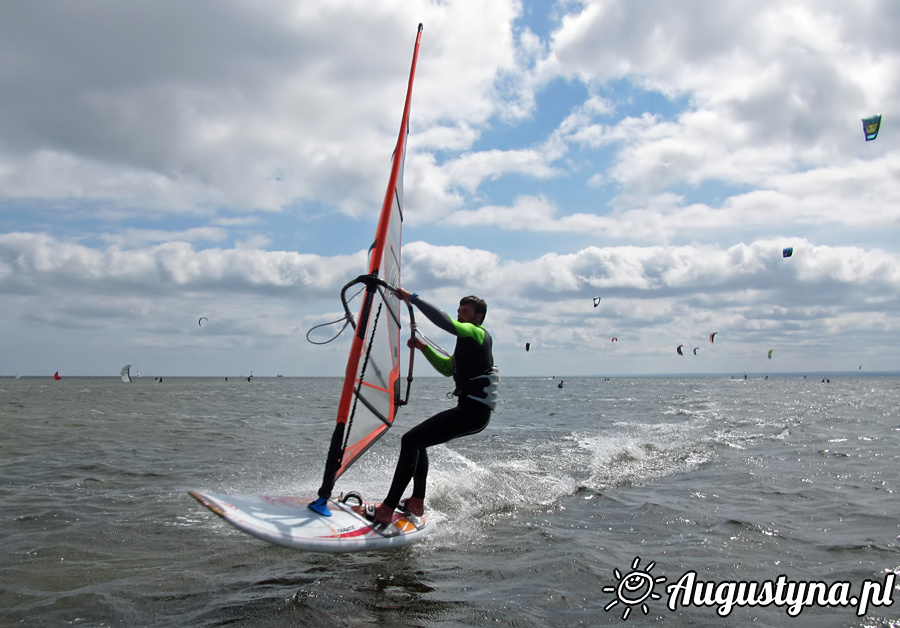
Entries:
{"x":467,"y":418}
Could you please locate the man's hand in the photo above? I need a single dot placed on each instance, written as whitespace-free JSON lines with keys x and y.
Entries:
{"x":404,"y":294}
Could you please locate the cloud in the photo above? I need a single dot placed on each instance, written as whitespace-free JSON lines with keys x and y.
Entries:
{"x":527,"y":212}
{"x":651,"y":296}
{"x":37,"y":262}
{"x":854,"y":197}
{"x":238,"y":114}
{"x":772,"y":88}
{"x":471,"y":169}
{"x":655,"y":271}
{"x":137,"y":237}
{"x":654,"y":154}
{"x":656,"y":297}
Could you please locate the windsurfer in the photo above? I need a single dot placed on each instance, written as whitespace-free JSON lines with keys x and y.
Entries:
{"x":477,"y":379}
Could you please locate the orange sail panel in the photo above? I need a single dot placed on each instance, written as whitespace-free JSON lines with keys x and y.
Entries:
{"x":371,"y":391}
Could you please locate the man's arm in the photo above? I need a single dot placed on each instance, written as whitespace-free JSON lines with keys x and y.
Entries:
{"x":441,"y":363}
{"x":442,"y":319}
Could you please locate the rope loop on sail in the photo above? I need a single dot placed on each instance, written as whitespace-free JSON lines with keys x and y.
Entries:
{"x":346,"y":322}
{"x":372,"y":282}
{"x":347,"y":318}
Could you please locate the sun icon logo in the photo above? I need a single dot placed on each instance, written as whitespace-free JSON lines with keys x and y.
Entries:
{"x":634,"y":588}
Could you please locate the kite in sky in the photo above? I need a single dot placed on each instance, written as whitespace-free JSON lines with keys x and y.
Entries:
{"x":871,"y":126}
{"x":770,"y":353}
{"x":678,"y":349}
{"x":712,"y":336}
{"x":787,"y":252}
{"x":596,"y":301}
{"x":201,"y":319}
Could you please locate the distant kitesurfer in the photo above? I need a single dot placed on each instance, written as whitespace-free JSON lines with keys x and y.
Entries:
{"x":476,"y":377}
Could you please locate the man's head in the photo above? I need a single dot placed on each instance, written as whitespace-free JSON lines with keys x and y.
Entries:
{"x":471,"y":310}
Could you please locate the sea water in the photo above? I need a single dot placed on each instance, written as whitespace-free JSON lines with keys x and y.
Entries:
{"x":704,"y":501}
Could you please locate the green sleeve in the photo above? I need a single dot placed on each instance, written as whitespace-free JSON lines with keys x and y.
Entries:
{"x":469,"y":330}
{"x":441,"y":363}
{"x":445,"y":322}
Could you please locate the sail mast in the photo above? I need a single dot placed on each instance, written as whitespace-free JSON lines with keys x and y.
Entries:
{"x":385,"y":251}
{"x":391,"y":193}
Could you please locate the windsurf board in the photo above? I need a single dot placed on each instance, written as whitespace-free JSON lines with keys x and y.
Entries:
{"x":288,"y":521}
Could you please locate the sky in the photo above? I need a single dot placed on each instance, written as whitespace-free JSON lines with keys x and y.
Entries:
{"x":162,"y":161}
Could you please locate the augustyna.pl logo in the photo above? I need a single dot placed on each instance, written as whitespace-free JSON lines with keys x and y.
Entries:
{"x":636,"y":588}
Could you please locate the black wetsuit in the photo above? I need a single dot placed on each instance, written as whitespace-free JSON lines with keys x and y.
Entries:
{"x":472,"y":368}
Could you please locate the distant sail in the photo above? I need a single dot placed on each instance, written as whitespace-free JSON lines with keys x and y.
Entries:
{"x":126,"y":373}
{"x":56,"y":375}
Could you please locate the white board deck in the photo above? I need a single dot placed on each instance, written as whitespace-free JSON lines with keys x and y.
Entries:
{"x":288,"y":521}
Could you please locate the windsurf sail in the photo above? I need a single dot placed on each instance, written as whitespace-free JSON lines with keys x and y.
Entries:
{"x":371,"y":393}
{"x":126,"y":373}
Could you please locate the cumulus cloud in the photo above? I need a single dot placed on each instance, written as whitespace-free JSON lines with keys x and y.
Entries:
{"x":656,"y":297}
{"x":654,"y":154}
{"x":646,"y":292}
{"x":238,"y":113}
{"x":136,"y":237}
{"x":35,"y":262}
{"x":772,"y":89}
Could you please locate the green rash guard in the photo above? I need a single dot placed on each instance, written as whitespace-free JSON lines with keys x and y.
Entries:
{"x":473,"y":356}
